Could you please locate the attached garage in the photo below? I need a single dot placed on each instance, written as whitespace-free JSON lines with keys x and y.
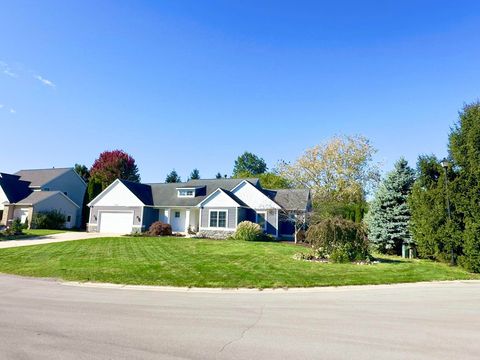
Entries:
{"x":116,"y":222}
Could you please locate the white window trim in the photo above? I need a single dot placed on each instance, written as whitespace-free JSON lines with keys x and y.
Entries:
{"x":187,"y":195}
{"x":217,"y":227}
{"x":265,"y":213}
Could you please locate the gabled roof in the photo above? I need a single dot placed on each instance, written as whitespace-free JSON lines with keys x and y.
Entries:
{"x":14,"y":188}
{"x":290,"y":199}
{"x":40,"y":177}
{"x":166,"y":194}
{"x":142,"y":191}
{"x":226,"y":192}
{"x":38,"y":196}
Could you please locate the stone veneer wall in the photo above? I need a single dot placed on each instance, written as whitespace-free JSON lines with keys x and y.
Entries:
{"x":215,"y":234}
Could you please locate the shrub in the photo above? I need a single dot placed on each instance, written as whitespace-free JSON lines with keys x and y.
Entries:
{"x":159,"y":228}
{"x":16,"y":228}
{"x":53,"y":220}
{"x":339,"y":240}
{"x":248,"y":231}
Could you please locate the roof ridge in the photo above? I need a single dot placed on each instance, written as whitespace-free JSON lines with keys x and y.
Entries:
{"x":54,"y":168}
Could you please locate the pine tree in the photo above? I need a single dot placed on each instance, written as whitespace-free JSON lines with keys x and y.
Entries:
{"x":389,"y":214}
{"x":195,"y":174}
{"x":173,"y":177}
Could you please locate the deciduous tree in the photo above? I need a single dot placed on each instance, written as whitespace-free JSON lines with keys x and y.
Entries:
{"x":341,"y":170}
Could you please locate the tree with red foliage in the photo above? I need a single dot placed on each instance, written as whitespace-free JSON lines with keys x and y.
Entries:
{"x":112,"y":165}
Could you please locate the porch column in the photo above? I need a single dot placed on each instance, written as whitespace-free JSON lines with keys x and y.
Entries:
{"x":187,"y":219}
{"x":169,"y":216}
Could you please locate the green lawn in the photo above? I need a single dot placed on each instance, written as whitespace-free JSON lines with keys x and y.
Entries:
{"x":207,"y":263}
{"x":31,"y":233}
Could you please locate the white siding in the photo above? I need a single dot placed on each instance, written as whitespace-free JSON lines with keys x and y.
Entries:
{"x":220,"y":199}
{"x":253,"y":197}
{"x":117,"y":195}
{"x":3,"y":199}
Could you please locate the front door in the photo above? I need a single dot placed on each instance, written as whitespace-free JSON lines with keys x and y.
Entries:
{"x":178,"y":220}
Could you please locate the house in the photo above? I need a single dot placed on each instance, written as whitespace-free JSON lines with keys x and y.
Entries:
{"x":211,"y":208}
{"x":31,"y":191}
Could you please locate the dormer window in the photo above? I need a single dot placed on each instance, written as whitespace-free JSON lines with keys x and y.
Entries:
{"x":186,"y":193}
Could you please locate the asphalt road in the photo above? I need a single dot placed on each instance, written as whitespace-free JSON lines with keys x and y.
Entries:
{"x":43,"y":319}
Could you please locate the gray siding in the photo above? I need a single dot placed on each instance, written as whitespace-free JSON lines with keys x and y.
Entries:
{"x":231,"y":217}
{"x":94,"y":212}
{"x":272,"y":222}
{"x":150,"y":215}
{"x":61,"y":204}
{"x":71,"y":184}
{"x":242,"y":215}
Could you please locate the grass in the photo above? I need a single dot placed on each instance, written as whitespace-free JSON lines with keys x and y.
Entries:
{"x":32,"y":233}
{"x":207,"y":263}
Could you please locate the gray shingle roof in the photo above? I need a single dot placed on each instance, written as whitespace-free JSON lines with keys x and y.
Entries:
{"x":38,"y":196}
{"x":40,"y":177}
{"x":14,"y":188}
{"x":290,"y":199}
{"x":166,"y":194}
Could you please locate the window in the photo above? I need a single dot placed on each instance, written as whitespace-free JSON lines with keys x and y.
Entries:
{"x":186,"y":193}
{"x":218,"y":219}
{"x":177,"y":214}
{"x":69,"y":218}
{"x":262,"y":220}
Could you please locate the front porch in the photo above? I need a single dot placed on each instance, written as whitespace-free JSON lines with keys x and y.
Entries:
{"x":182,"y":220}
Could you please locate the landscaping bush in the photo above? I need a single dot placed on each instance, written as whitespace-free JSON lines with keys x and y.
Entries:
{"x":159,"y":228}
{"x":248,"y":231}
{"x":339,"y":240}
{"x":16,"y":228}
{"x":53,"y":220}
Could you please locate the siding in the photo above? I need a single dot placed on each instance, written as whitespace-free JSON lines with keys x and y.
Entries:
{"x":63,"y":205}
{"x":70,"y":183}
{"x":272,"y":222}
{"x":150,"y":215}
{"x":231,"y":217}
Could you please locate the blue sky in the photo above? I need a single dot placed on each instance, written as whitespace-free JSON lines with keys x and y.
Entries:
{"x":184,"y":84}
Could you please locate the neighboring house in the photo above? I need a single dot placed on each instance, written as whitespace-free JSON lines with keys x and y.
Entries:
{"x":211,"y":208}
{"x":32,"y":191}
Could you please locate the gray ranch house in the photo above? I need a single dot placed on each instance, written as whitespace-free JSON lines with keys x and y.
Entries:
{"x":211,"y":208}
{"x":31,"y":191}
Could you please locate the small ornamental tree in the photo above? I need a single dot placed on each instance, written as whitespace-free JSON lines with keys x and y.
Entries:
{"x":389,"y":215}
{"x":338,"y":240}
{"x":112,"y":165}
{"x":173,"y":177}
{"x":249,"y":163}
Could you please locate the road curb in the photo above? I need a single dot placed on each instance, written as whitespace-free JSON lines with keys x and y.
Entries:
{"x":267,"y":290}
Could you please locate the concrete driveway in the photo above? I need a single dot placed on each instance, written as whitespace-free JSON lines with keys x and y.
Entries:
{"x":66,"y":236}
{"x":44,"y":319}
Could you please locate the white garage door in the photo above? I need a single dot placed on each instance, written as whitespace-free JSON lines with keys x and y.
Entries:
{"x":116,"y":222}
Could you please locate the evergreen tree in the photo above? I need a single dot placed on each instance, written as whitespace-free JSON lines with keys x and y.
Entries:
{"x":173,"y":177}
{"x":195,"y":174}
{"x":218,"y":176}
{"x":432,"y":231}
{"x":389,"y":214}
{"x":464,"y":149}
